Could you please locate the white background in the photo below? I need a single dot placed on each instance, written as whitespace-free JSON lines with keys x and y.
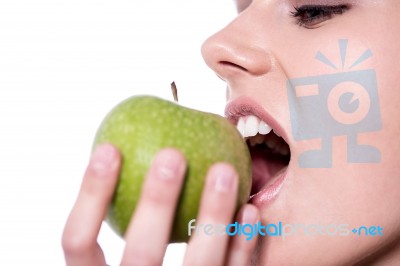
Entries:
{"x":63,"y":66}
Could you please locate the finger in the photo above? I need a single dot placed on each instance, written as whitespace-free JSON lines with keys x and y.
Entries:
{"x":148,"y":233}
{"x":217,"y":207}
{"x":79,"y":238}
{"x":242,"y":246}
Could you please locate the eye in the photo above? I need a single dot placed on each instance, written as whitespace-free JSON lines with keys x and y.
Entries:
{"x":309,"y":16}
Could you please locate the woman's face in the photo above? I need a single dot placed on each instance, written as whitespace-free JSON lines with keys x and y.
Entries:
{"x":324,"y":74}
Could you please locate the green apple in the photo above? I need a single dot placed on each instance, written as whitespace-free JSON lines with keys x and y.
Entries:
{"x":142,"y":125}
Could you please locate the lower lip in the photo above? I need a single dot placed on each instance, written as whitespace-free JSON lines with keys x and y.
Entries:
{"x":269,"y":192}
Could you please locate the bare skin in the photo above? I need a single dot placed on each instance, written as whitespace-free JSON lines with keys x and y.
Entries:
{"x":256,"y":54}
{"x":146,"y":242}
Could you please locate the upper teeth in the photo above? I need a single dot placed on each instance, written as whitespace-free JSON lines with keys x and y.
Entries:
{"x":255,"y":131}
{"x":250,"y":125}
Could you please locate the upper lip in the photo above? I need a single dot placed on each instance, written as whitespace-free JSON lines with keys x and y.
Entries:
{"x":244,"y":106}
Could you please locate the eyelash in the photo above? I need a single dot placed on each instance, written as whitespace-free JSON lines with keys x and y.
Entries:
{"x":309,"y":16}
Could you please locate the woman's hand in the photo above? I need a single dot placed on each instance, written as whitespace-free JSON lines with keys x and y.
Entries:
{"x":146,"y":240}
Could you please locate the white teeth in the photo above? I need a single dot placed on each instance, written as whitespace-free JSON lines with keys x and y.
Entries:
{"x":250,"y":125}
{"x":264,"y":128}
{"x":241,"y":125}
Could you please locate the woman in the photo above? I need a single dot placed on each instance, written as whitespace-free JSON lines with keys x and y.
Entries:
{"x":323,"y":75}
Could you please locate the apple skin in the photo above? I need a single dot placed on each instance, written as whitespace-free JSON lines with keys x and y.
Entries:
{"x":142,"y":125}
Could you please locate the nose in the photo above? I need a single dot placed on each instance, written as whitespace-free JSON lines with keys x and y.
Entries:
{"x":235,"y":51}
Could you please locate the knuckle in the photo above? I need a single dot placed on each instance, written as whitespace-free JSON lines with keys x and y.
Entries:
{"x":158,"y":196}
{"x":94,"y":186}
{"x":75,"y":244}
{"x":219,"y":210}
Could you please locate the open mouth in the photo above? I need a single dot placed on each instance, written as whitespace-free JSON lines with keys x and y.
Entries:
{"x":269,"y":152}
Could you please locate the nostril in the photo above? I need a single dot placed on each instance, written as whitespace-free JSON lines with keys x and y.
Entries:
{"x":233,"y":65}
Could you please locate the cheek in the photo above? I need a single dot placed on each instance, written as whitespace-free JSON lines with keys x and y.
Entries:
{"x":385,"y":195}
{"x":353,"y":193}
{"x":388,"y":75}
{"x":385,"y":62}
{"x":383,"y":40}
{"x":358,"y":194}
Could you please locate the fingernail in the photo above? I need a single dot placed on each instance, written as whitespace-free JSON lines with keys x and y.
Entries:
{"x":249,"y":214}
{"x":169,"y":165}
{"x":103,"y":159}
{"x":224,"y":178}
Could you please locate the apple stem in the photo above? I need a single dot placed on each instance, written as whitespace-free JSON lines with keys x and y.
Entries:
{"x":174,"y":91}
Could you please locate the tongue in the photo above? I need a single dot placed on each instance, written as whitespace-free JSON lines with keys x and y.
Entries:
{"x":265,"y":166}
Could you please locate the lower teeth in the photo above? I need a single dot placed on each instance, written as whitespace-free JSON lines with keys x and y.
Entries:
{"x":275,"y":144}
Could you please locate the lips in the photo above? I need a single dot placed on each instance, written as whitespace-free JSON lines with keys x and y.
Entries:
{"x":269,"y":150}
